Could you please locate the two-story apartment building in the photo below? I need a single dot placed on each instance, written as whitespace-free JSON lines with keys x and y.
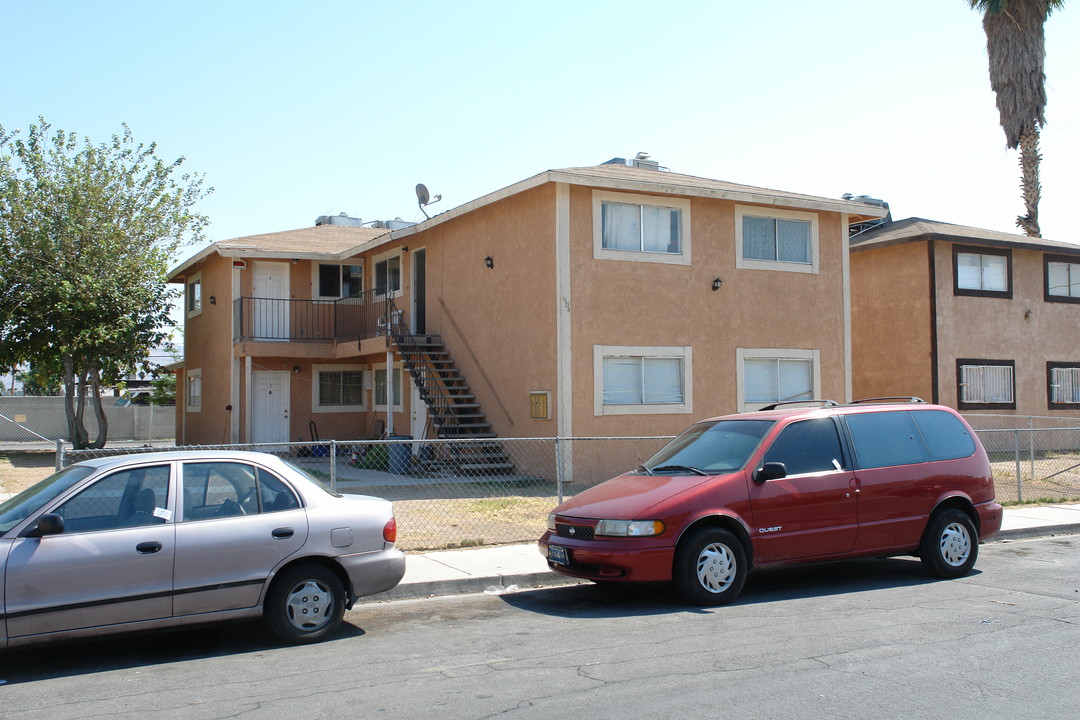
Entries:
{"x":612,"y":300}
{"x":975,"y":319}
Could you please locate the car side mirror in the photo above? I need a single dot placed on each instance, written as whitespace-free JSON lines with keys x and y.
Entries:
{"x":770,"y":471}
{"x":47,"y":524}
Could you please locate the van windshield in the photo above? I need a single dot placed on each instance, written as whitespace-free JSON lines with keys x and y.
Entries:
{"x":710,"y":447}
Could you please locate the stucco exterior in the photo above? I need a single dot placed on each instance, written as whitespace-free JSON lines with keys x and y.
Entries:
{"x":525,"y":298}
{"x":915,"y":325}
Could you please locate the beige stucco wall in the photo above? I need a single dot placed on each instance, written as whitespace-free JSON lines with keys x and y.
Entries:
{"x":891,"y":322}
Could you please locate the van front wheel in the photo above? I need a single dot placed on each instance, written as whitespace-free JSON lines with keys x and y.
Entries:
{"x":950,"y":544}
{"x":710,"y":567}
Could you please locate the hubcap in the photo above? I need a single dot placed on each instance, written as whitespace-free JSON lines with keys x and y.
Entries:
{"x":309,"y":605}
{"x":955,"y":544}
{"x":716,"y":567}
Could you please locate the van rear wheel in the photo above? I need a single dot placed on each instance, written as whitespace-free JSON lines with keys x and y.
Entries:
{"x":710,"y":567}
{"x":950,"y":544}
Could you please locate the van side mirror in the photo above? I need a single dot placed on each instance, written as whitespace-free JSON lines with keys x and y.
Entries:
{"x":770,"y":471}
{"x":47,"y":524}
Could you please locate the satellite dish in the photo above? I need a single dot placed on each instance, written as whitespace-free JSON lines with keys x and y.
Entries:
{"x":423,"y":197}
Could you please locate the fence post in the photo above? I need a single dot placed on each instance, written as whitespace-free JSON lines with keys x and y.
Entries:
{"x":1016,"y":457}
{"x":1031,"y":444}
{"x":559,"y":468}
{"x":59,"y":455}
{"x":333,"y":466}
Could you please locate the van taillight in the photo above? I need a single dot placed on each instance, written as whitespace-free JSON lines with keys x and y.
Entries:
{"x":389,"y":531}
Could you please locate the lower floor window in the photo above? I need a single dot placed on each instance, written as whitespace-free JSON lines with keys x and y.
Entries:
{"x":770,"y":376}
{"x":986,"y":384}
{"x":1064,"y":385}
{"x":381,"y":390}
{"x":341,"y":387}
{"x":642,"y":379}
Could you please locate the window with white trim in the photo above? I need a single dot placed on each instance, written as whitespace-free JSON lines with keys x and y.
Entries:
{"x":642,"y":228}
{"x":334,"y":281}
{"x":388,"y":275}
{"x":193,"y":393}
{"x":380,"y":387}
{"x":194,"y":295}
{"x":776,"y":239}
{"x":767,"y":376}
{"x":1063,"y":385}
{"x":338,"y":388}
{"x":986,"y":384}
{"x":642,"y":380}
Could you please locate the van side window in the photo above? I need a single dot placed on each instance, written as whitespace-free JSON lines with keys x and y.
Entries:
{"x":885,"y":438}
{"x":809,"y":446}
{"x":945,"y":435}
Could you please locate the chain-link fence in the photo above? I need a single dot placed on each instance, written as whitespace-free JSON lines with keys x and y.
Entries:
{"x":457,"y":493}
{"x":1033,"y":459}
{"x":31,"y":421}
{"x":454,"y":493}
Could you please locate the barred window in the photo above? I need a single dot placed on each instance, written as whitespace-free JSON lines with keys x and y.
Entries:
{"x":1064,"y":385}
{"x":986,"y":384}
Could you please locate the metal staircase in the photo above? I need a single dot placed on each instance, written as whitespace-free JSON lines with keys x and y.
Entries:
{"x":452,"y":407}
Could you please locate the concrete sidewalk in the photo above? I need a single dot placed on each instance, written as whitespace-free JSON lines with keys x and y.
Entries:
{"x":496,"y":569}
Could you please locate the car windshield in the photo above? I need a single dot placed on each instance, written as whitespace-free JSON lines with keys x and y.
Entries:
{"x":14,"y":510}
{"x":710,"y":448}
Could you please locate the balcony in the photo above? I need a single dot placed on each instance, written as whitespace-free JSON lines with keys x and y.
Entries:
{"x":346,"y":320}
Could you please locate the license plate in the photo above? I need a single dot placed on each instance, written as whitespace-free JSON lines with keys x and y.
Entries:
{"x":558,"y":555}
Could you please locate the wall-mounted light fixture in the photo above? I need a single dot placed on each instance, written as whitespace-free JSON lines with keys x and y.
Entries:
{"x":296,"y":369}
{"x":295,"y":261}
{"x":213,"y":300}
{"x":489,"y":262}
{"x":716,"y":284}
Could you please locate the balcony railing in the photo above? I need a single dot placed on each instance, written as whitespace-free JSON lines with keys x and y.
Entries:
{"x":350,"y":318}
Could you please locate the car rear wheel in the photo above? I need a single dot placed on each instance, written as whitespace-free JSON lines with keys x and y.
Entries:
{"x":305,"y":604}
{"x":710,"y":567}
{"x":950,"y":544}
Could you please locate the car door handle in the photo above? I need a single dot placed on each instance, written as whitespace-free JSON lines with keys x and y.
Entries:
{"x":147,"y":548}
{"x":282,"y":533}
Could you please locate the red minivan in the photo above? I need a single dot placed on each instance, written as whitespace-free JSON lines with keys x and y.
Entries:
{"x":785,"y":486}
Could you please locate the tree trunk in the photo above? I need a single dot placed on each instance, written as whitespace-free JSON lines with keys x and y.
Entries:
{"x":99,"y":408}
{"x":72,"y":409}
{"x":1029,"y":180}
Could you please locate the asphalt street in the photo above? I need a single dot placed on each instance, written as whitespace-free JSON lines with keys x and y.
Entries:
{"x":862,"y":639}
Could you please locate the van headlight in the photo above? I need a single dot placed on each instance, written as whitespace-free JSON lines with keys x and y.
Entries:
{"x":551,"y":522}
{"x":629,"y":528}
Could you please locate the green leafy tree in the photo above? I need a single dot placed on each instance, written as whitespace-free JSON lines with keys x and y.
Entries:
{"x":1016,"y":48}
{"x":87,"y":232}
{"x":163,"y":390}
{"x":36,"y":382}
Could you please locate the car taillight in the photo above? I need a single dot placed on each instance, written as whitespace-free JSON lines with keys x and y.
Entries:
{"x":389,"y":531}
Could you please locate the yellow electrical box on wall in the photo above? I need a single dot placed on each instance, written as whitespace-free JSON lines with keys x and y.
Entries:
{"x":538,"y":405}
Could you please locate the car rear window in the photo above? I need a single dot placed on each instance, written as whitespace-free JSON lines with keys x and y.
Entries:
{"x":885,"y":438}
{"x":945,"y":435}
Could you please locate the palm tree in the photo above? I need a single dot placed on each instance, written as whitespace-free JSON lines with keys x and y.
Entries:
{"x":1016,"y":47}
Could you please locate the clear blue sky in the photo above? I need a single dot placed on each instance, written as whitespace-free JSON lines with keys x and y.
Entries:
{"x":298,"y":109}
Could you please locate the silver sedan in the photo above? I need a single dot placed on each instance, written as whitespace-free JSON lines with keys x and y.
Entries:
{"x":156,"y":540}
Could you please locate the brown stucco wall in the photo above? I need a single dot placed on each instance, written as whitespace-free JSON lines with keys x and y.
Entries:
{"x":1025,"y":328}
{"x":891,"y":323}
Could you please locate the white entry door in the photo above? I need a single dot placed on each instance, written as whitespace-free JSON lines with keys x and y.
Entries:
{"x":271,"y":303}
{"x":269,"y":407}
{"x":418,"y":415}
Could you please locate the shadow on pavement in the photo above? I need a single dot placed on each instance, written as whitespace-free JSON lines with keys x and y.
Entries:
{"x":120,"y":652}
{"x":766,"y":586}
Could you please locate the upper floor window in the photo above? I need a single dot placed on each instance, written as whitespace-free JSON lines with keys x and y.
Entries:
{"x":1061,"y":275}
{"x":194,"y":295}
{"x":642,"y":380}
{"x":775,"y":239}
{"x":338,"y":281}
{"x":986,"y":384}
{"x":982,"y":272}
{"x":641,"y":228}
{"x":388,"y":275}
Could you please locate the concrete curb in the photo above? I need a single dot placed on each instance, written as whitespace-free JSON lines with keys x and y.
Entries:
{"x":476,"y":584}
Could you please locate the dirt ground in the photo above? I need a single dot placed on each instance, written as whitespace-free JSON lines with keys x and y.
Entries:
{"x":20,"y":470}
